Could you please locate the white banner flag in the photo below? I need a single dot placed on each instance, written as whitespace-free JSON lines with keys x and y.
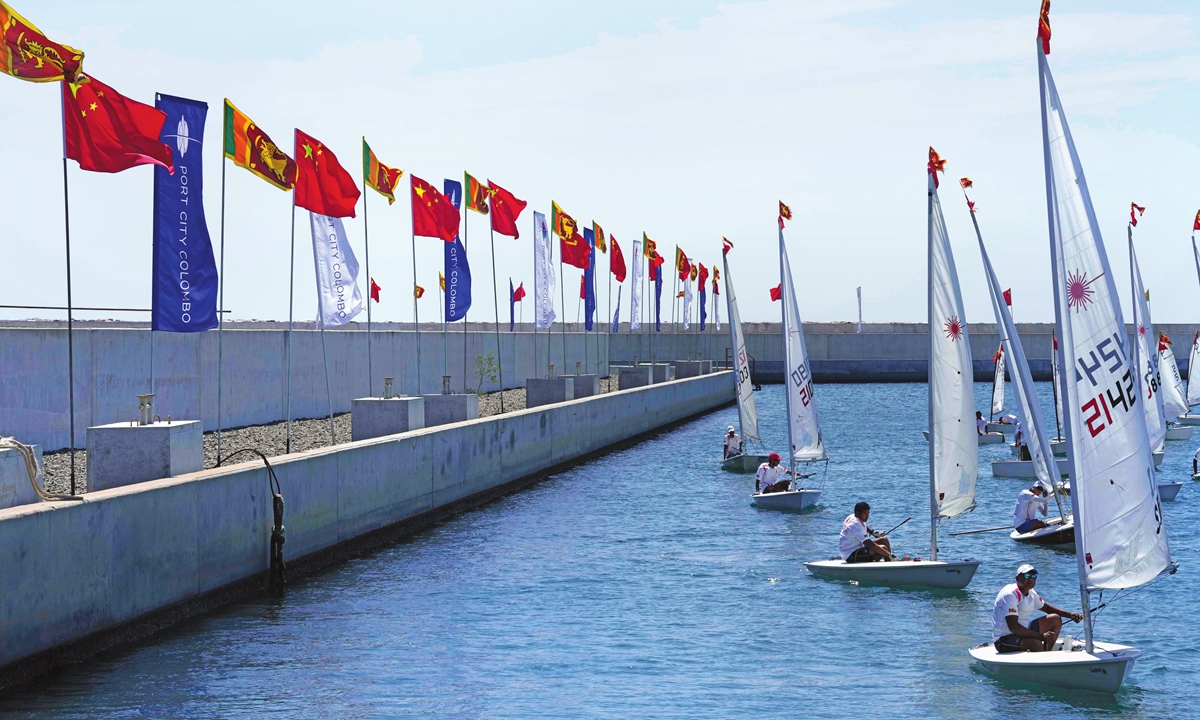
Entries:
{"x":716,"y":308}
{"x":543,"y":273}
{"x":687,"y":303}
{"x":635,"y":286}
{"x":338,"y":296}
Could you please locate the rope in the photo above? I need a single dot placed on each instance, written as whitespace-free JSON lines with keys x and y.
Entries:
{"x":1124,"y":593}
{"x":278,"y":575}
{"x":35,"y":472}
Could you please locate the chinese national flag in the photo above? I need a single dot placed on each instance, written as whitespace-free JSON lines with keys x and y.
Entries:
{"x":582,"y":287}
{"x":27,"y":54}
{"x":433,"y":215}
{"x":506,"y":208}
{"x":616,"y":260}
{"x":375,"y":290}
{"x":1008,"y":297}
{"x":107,"y":132}
{"x":322,"y":184}
{"x":777,"y":292}
{"x":703,"y":276}
{"x":519,"y":293}
{"x":656,"y":262}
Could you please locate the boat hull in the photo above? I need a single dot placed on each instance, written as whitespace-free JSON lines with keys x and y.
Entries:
{"x":1158,"y":457}
{"x":1052,"y":534}
{"x":1168,"y":491}
{"x":743,"y":463}
{"x":1101,"y":671}
{"x":1058,"y":447}
{"x":988,"y":439}
{"x":950,"y":574}
{"x":1023,"y":468}
{"x":1180,"y":432}
{"x":789,"y":501}
{"x":1002,"y":427}
{"x":1188,"y":419}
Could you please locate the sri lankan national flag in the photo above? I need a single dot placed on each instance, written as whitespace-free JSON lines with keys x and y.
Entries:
{"x":681,"y":261}
{"x":601,"y":243}
{"x":249,"y":147}
{"x":648,"y":246}
{"x":27,"y":54}
{"x":477,"y":194}
{"x":564,"y":225}
{"x":376,"y":175}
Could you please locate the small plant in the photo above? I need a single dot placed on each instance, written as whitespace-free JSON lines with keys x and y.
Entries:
{"x":485,"y":369}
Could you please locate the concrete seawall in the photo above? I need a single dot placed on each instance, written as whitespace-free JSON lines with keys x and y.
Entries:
{"x":78,"y":576}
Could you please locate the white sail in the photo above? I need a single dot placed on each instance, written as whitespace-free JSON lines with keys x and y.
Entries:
{"x":1120,"y":541}
{"x":998,"y":384}
{"x":954,"y":447}
{"x":1146,"y":356}
{"x":1029,"y":412}
{"x":747,"y":415}
{"x":1193,"y":391}
{"x":1056,"y":387}
{"x":1174,"y":402}
{"x":804,"y":429}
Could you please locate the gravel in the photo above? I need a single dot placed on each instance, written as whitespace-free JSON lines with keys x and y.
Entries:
{"x":270,"y":438}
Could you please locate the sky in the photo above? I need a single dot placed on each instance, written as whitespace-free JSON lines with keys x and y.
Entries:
{"x":685,"y":120}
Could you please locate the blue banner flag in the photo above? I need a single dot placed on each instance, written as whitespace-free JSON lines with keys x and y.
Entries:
{"x":616,"y":326}
{"x":589,"y":281}
{"x":184,"y":286}
{"x":658,"y":301}
{"x":703,"y":309}
{"x":458,"y":272}
{"x":512,"y":307}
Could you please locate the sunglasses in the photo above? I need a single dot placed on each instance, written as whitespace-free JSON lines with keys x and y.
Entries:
{"x":1030,"y":575}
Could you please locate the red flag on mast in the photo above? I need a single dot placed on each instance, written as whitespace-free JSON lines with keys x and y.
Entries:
{"x":375,"y":290}
{"x":1044,"y":26}
{"x":433,"y":215}
{"x":322,"y":185}
{"x":506,"y":208}
{"x":107,"y":132}
{"x":616,"y":260}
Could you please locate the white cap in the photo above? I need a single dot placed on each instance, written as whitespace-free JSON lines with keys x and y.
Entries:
{"x":730,"y":429}
{"x":1025,"y":568}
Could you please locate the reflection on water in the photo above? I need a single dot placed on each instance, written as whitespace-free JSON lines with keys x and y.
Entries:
{"x":644,"y":584}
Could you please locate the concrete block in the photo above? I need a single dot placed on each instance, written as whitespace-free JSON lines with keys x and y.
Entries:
{"x":15,"y":488}
{"x":445,"y":409}
{"x":662,"y":372}
{"x":692,"y":368}
{"x":124,"y":453}
{"x":545,"y":391}
{"x":377,"y":417}
{"x":586,"y":385}
{"x":633,"y":377}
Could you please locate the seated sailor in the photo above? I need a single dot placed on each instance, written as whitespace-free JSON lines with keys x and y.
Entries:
{"x":771,"y":478}
{"x":1029,"y":503}
{"x":1013,"y":630}
{"x":733,"y":444}
{"x":860,"y":543}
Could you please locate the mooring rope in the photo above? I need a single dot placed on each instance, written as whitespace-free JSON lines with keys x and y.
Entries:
{"x":35,"y":472}
{"x":278,"y":575}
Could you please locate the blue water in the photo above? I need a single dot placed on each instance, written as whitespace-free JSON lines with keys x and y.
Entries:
{"x":643,"y":584}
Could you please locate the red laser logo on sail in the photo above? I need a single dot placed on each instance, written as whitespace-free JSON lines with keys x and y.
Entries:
{"x":953,"y":328}
{"x":1079,"y":290}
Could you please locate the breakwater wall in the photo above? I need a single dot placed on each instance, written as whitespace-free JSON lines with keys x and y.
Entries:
{"x":78,"y":576}
{"x":112,"y":364}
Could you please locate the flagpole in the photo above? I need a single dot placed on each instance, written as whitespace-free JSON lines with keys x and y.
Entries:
{"x":445,"y":336}
{"x":496,"y":309}
{"x":465,"y":224}
{"x":367,"y":250}
{"x":562,"y":291}
{"x":608,"y":345}
{"x":328,"y":391}
{"x":70,"y":321}
{"x":221,"y":313}
{"x":291,"y":304}
{"x":416,"y":317}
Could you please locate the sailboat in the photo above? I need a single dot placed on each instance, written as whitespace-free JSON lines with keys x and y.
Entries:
{"x":1193,"y":391}
{"x":953,"y":450}
{"x":743,"y":387}
{"x":805,"y":444}
{"x":1042,"y":463}
{"x":1120,"y":541}
{"x":1145,"y":347}
{"x":1175,"y":401}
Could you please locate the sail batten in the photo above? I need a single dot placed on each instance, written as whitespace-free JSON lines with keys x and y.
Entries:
{"x":804,"y":428}
{"x":1120,"y":539}
{"x":743,"y":386}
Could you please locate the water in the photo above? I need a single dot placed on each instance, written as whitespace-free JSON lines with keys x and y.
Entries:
{"x":643,"y":584}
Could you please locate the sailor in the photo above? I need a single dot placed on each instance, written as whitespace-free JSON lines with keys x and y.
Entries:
{"x":1012,"y":627}
{"x":1029,"y":503}
{"x":1022,"y":443}
{"x":733,"y":444}
{"x":1195,"y":463}
{"x":860,"y":543}
{"x":771,"y":478}
{"x":980,"y":423}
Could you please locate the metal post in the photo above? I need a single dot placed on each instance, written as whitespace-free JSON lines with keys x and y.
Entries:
{"x":496,"y":307}
{"x":70,"y":321}
{"x":367,"y":250}
{"x":221,"y":313}
{"x":328,"y":392}
{"x":291,"y":297}
{"x":416,"y":317}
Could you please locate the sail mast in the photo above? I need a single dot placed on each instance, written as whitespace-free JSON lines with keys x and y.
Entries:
{"x":933,"y":430}
{"x":785,"y":289}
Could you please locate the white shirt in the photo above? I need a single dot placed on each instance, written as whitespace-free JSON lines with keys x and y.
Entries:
{"x":1020,"y":437}
{"x":981,"y":426}
{"x":1028,"y":505}
{"x":732,"y":445}
{"x":854,"y":532}
{"x":767,"y":476}
{"x":1011,"y":601}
